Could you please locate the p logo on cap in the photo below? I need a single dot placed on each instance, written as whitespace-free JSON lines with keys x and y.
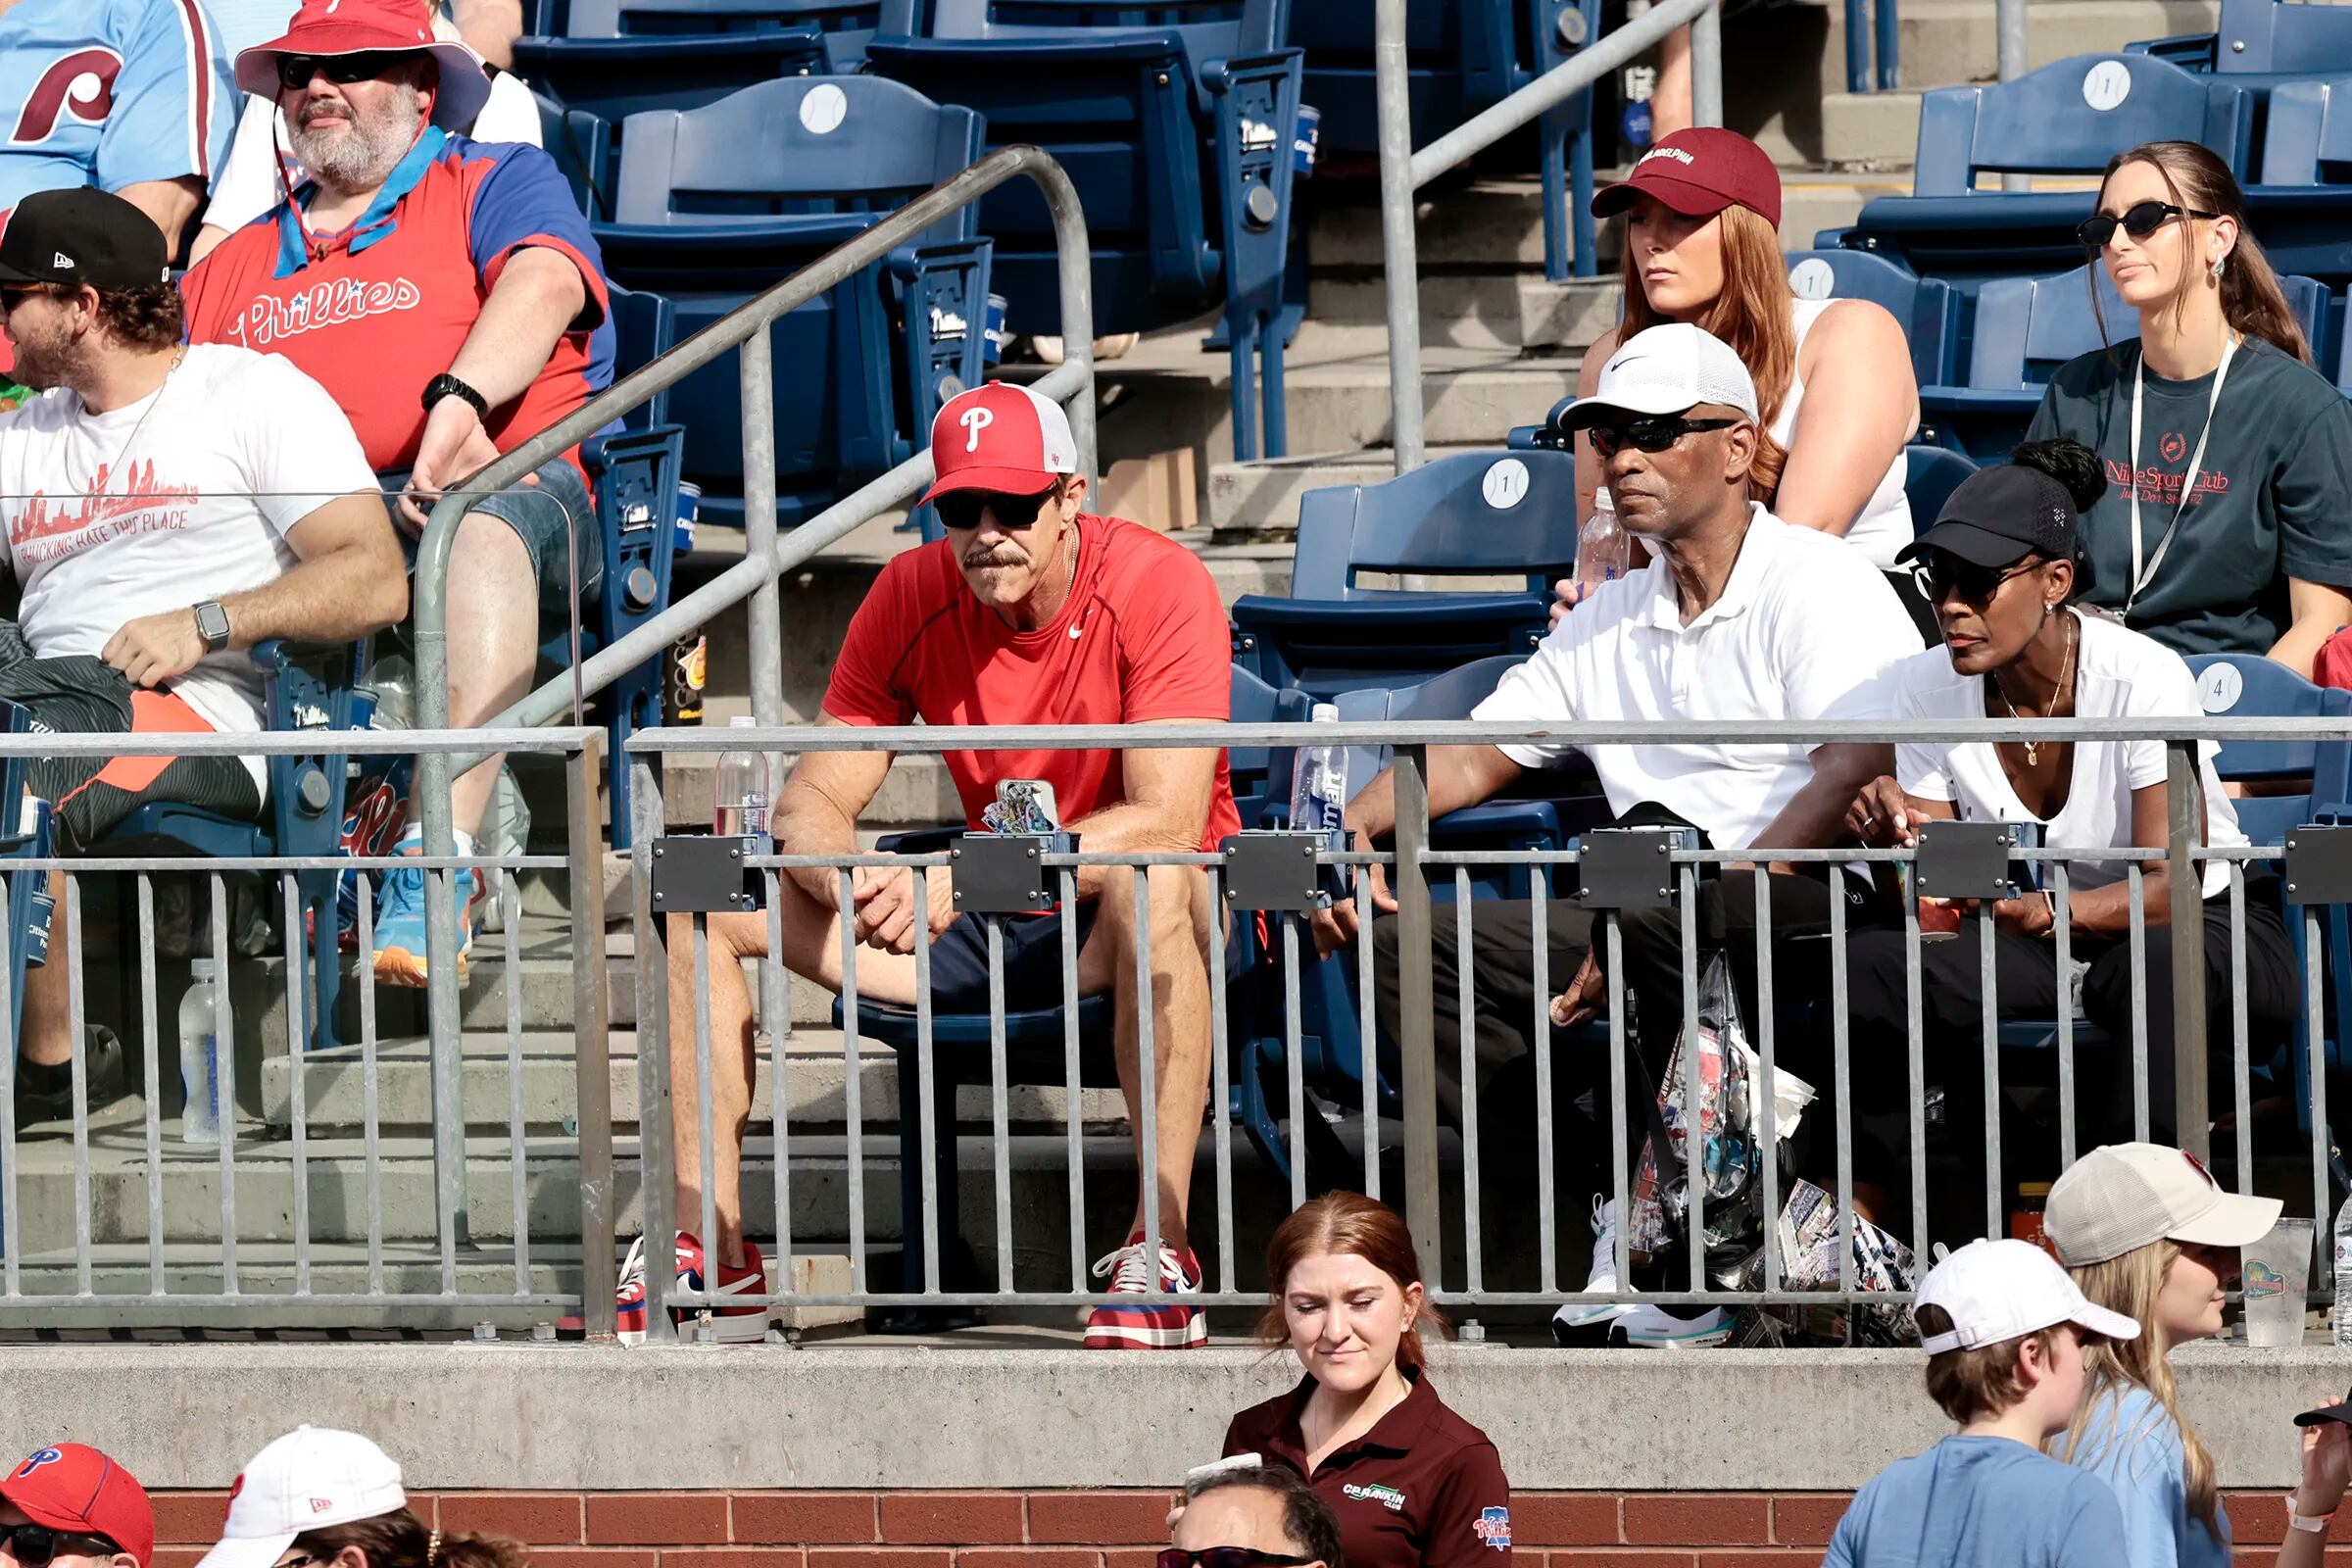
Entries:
{"x":1000,"y":437}
{"x":974,"y":421}
{"x":35,"y":1460}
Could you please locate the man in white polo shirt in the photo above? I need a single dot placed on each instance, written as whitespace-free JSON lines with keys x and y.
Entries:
{"x":1738,"y":616}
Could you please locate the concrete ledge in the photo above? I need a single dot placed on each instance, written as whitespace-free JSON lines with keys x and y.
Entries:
{"x":882,"y":1414}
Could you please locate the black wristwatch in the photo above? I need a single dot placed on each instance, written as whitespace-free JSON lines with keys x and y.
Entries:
{"x":446,"y":385}
{"x":211,"y":624}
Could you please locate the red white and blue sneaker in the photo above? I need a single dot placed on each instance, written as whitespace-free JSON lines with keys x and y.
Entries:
{"x":745,"y":1324}
{"x":1153,"y":1325}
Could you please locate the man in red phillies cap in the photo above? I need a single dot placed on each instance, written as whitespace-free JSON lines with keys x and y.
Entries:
{"x":1031,"y":610}
{"x":74,"y":1507}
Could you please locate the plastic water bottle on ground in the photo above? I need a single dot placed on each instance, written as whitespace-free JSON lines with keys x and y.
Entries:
{"x":200,"y":1055}
{"x":1319,"y":781}
{"x":740,"y":790}
{"x":1603,"y":550}
{"x":2340,"y":1318}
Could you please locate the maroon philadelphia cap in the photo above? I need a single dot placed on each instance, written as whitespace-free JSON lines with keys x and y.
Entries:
{"x":1698,"y":172}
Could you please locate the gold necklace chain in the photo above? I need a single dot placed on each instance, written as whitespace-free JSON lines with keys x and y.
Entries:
{"x":2065,"y":670}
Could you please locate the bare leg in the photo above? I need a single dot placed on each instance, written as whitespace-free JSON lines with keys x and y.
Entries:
{"x":812,"y":948}
{"x":1670,"y":104}
{"x":1180,"y":1032}
{"x":48,"y":1033}
{"x":493,"y":644}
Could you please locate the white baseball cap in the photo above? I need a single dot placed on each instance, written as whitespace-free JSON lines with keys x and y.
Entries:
{"x":2122,"y":1196}
{"x":1664,"y":370}
{"x":308,"y":1479}
{"x":2005,"y":1289}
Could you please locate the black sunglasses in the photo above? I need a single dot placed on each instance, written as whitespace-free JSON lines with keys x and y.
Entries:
{"x":961,"y":508}
{"x":295,"y":70}
{"x":2139,"y":221}
{"x":1654,"y":434}
{"x":13,"y":295}
{"x":1976,"y":585}
{"x":1228,"y":1557}
{"x":36,"y":1545}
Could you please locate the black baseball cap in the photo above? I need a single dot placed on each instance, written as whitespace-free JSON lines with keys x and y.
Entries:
{"x":80,"y":237}
{"x":1997,"y":516}
{"x":2326,"y":1413}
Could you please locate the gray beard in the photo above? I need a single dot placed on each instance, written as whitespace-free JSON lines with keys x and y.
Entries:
{"x":360,"y":160}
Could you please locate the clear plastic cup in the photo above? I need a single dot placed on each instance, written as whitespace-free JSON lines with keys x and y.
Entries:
{"x":2277,"y":1284}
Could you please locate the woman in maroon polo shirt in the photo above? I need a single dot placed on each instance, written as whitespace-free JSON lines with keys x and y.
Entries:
{"x":1414,"y":1485}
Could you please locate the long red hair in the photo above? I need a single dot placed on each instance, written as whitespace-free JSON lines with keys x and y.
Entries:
{"x":1755,"y":314}
{"x":1359,"y":1227}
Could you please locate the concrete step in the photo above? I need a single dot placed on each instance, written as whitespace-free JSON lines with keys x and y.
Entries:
{"x":1481,"y":310}
{"x":815,"y":1084}
{"x":1260,"y":500}
{"x":1497,"y":225}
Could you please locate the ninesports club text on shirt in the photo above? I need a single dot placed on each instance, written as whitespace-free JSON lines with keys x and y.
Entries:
{"x":2154,"y":485}
{"x":332,"y":303}
{"x":43,"y":530}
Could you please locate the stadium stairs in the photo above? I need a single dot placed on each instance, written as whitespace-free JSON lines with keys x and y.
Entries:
{"x":1502,"y":345}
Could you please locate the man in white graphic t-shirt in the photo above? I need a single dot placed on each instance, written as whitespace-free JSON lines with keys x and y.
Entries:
{"x":166,"y":507}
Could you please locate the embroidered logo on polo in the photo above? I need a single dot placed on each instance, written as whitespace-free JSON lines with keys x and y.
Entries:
{"x":1388,"y":1498}
{"x":1493,"y":1526}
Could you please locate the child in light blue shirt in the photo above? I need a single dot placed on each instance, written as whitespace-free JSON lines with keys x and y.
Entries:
{"x":2006,"y":1329}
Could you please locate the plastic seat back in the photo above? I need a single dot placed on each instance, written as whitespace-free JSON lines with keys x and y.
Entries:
{"x":1931,"y":475}
{"x":2248,"y":686}
{"x":1205,"y":30}
{"x":2025,"y":328}
{"x":846,"y":25}
{"x":2072,"y":116}
{"x":2268,"y":35}
{"x":1451,"y":695}
{"x":1928,"y":308}
{"x":1262,"y":775}
{"x":1473,"y":513}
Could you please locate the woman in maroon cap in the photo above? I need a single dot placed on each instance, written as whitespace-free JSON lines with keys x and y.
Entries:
{"x":1834,"y":378}
{"x":1412,"y":1483}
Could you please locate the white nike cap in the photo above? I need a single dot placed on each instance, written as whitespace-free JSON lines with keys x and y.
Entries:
{"x":1664,"y":370}
{"x":308,"y":1479}
{"x":2122,"y":1196}
{"x":2005,"y":1289}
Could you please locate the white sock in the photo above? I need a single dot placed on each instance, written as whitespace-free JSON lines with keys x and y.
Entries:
{"x":413,"y":840}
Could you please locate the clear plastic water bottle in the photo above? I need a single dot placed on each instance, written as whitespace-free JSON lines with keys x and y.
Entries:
{"x":2339,"y":1319}
{"x":1319,"y":781}
{"x":1603,"y":550}
{"x":200,"y":1055}
{"x":739,"y":794}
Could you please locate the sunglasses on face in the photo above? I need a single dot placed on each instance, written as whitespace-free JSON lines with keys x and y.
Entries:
{"x":1654,"y":434}
{"x":2139,"y":221}
{"x":294,"y":71}
{"x":1227,"y":1557}
{"x":1943,"y":576}
{"x":960,"y":509}
{"x":36,"y":1545}
{"x":14,"y":295}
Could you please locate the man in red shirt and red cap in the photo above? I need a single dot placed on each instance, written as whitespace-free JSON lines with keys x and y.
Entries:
{"x":1030,"y":611}
{"x":71,"y":1506}
{"x":446,"y":293}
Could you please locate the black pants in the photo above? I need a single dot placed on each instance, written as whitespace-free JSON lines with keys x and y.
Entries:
{"x":2027,"y":985}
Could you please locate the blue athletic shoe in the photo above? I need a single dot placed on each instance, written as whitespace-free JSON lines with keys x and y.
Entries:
{"x":400,"y":926}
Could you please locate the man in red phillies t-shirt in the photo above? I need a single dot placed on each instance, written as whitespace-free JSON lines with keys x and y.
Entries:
{"x":1030,"y":611}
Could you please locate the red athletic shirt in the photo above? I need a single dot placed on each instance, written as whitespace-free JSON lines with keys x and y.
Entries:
{"x":1142,"y":638}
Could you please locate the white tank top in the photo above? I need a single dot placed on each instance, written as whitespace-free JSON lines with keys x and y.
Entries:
{"x":1885,"y":523}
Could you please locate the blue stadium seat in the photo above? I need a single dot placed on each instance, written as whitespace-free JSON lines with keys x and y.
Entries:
{"x":2266,"y":38}
{"x":1462,"y":56}
{"x":1926,"y":306}
{"x":2301,"y":207}
{"x":581,"y":144}
{"x":1033,"y":1040}
{"x":2045,"y":122}
{"x":614,"y":58}
{"x":714,"y":204}
{"x":312,"y":689}
{"x":27,"y":832}
{"x":1931,"y":475}
{"x":2024,"y":328}
{"x":1174,"y":120}
{"x":1509,"y":514}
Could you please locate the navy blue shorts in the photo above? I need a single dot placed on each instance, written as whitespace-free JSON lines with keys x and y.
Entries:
{"x":1033,"y":980}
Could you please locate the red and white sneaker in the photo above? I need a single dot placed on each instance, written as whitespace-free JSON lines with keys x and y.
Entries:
{"x":729,"y":1325}
{"x":1154,"y":1325}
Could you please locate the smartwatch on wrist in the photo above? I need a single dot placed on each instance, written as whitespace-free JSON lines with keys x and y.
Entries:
{"x":446,"y":385}
{"x":211,"y":624}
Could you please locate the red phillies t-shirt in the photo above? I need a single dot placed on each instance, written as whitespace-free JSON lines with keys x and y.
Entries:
{"x":390,"y":303}
{"x":1142,"y":638}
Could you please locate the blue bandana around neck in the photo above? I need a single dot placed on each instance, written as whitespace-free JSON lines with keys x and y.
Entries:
{"x":293,"y":245}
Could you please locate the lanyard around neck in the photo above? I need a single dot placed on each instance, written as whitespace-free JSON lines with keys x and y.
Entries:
{"x":2142,"y":577}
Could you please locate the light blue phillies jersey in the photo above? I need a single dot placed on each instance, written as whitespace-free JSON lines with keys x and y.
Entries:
{"x":111,"y":93}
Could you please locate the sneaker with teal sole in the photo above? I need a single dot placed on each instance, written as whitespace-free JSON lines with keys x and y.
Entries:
{"x":400,"y":926}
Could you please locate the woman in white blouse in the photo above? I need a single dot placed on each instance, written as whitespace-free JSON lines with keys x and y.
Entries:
{"x":2003,"y":568}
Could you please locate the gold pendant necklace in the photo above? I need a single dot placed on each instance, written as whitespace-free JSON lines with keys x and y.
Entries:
{"x":2065,"y":670}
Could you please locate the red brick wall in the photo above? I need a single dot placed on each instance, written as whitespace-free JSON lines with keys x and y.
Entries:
{"x":1094,"y":1529}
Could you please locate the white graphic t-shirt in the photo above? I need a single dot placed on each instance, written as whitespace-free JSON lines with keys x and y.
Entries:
{"x":183,"y":496}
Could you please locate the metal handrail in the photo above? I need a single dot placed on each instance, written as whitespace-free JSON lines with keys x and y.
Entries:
{"x":753,"y":579}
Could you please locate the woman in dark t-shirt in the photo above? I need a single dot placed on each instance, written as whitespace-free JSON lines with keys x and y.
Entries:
{"x":2254,"y":553}
{"x":1413,"y":1483}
